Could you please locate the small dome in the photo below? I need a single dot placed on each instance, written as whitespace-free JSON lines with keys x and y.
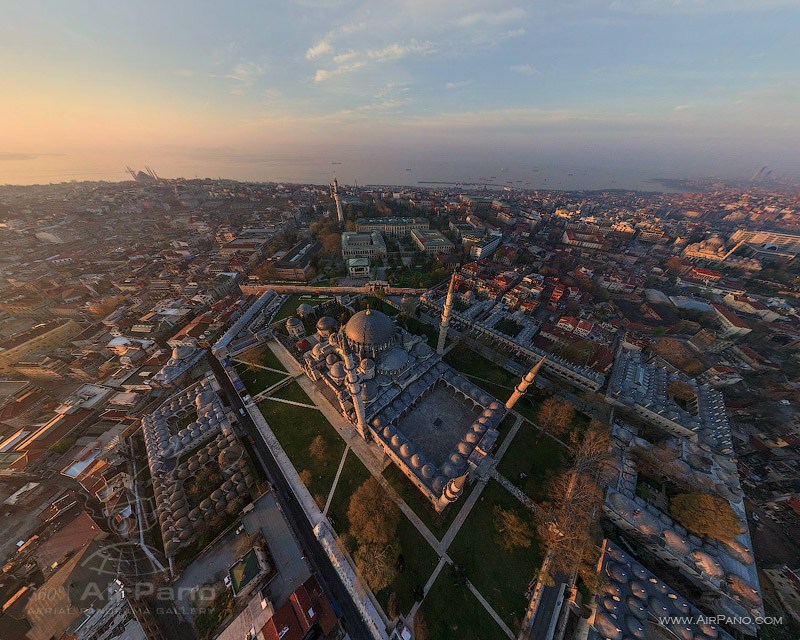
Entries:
{"x":456,"y":460}
{"x":294,"y":322}
{"x":428,"y":471}
{"x":331,"y":359}
{"x":464,"y":449}
{"x":406,"y":450}
{"x":417,"y":460}
{"x":337,"y":371}
{"x":327,"y":325}
{"x":305,"y":310}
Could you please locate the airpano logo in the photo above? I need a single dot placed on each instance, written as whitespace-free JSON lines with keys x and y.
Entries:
{"x":721,"y":619}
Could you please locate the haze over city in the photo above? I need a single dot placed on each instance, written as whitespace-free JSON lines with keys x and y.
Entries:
{"x":621,"y":91}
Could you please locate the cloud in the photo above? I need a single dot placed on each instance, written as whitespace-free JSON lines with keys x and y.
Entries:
{"x":318,"y":50}
{"x":356,"y":59}
{"x":247,"y":72}
{"x":491,"y":18}
{"x":681,"y":107}
{"x":524,"y":69}
{"x":458,"y":85}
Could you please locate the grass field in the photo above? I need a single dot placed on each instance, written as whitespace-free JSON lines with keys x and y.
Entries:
{"x":451,"y":612}
{"x":257,"y":379}
{"x":438,"y":523}
{"x":418,"y":559}
{"x":264,"y":356}
{"x":501,"y":576}
{"x":535,"y":454}
{"x":491,"y":377}
{"x":289,"y":308}
{"x":295,"y":428}
{"x":293,"y":392}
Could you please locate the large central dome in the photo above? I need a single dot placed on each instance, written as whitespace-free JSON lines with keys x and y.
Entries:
{"x":370,"y":328}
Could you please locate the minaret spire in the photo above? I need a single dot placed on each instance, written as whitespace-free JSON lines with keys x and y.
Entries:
{"x":448,"y":305}
{"x":338,"y":201}
{"x":523,"y":385}
{"x":353,"y":385}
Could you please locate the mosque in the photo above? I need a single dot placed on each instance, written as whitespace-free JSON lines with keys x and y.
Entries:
{"x":434,"y":424}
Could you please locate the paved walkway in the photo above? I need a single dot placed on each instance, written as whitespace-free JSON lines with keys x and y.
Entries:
{"x":285,"y":401}
{"x":491,"y":611}
{"x":515,"y":491}
{"x":256,"y":364}
{"x":335,"y":481}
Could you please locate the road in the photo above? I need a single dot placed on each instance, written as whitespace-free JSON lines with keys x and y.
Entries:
{"x":316,"y":556}
{"x":545,"y":611}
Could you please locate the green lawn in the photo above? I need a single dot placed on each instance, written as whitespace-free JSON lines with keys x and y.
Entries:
{"x":418,"y":560}
{"x":289,"y":308}
{"x":264,"y":356}
{"x":353,"y":475}
{"x":257,"y":379}
{"x":438,"y":523}
{"x":293,"y":392}
{"x":295,"y":428}
{"x":412,"y":325}
{"x":501,"y":576}
{"x":536,"y":454}
{"x":451,"y":612}
{"x":493,"y":378}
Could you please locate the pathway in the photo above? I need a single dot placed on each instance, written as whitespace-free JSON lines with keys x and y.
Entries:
{"x":491,"y":611}
{"x":514,"y":490}
{"x":285,"y":401}
{"x":335,"y":481}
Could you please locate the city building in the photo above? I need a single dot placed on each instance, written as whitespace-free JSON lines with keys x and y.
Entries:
{"x":431,"y":241}
{"x":394,"y":227}
{"x":41,"y":338}
{"x":363,"y":245}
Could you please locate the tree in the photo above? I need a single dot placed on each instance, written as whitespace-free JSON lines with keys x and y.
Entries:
{"x":306,"y":477}
{"x":591,"y":448}
{"x":565,"y":413}
{"x":555,"y":416}
{"x":547,"y":413}
{"x":512,"y":531}
{"x":568,"y":523}
{"x":377,"y":563}
{"x":705,"y":515}
{"x":393,"y":605}
{"x":372,"y":514}
{"x":420,"y":627}
{"x":331,"y":244}
{"x":319,"y":450}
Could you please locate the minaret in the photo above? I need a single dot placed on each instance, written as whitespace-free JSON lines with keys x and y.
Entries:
{"x":337,"y":200}
{"x":448,"y":305}
{"x":452,"y":490}
{"x":353,"y":385}
{"x":523,"y":385}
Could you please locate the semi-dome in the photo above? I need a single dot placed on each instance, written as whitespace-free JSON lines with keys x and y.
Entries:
{"x":327,"y":325}
{"x":370,"y":328}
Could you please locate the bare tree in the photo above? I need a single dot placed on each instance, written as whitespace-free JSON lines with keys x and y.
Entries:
{"x":319,"y":450}
{"x":512,"y":530}
{"x":372,"y":514}
{"x":377,"y":563}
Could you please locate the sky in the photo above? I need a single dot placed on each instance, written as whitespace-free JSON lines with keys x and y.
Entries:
{"x":677,"y":88}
